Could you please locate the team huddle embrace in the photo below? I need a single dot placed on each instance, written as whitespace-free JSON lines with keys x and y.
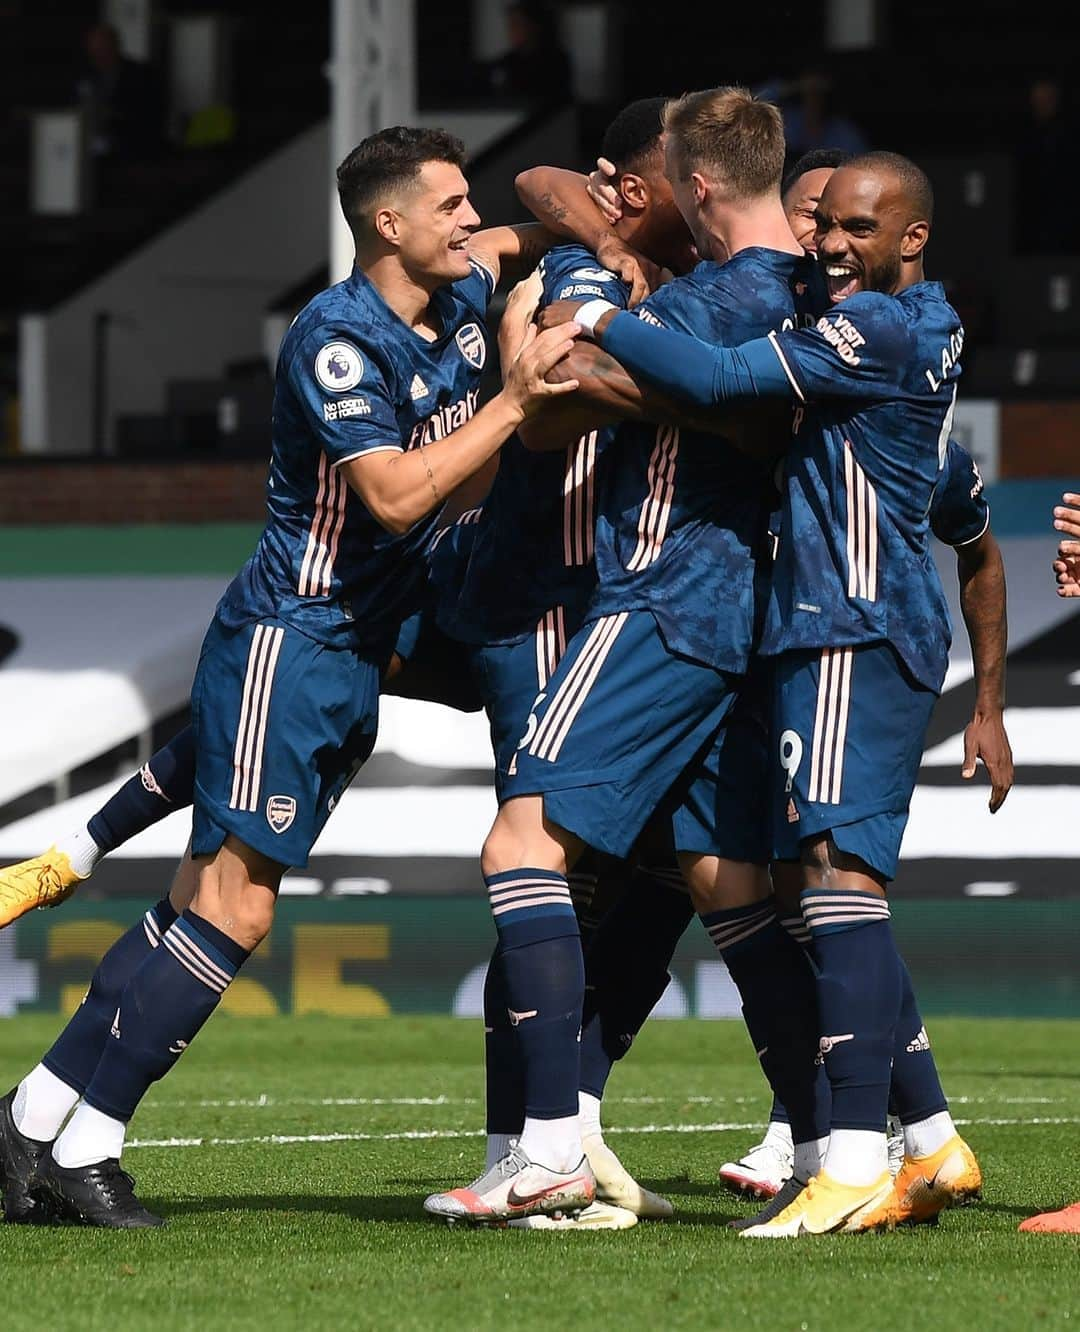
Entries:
{"x":682,"y":560}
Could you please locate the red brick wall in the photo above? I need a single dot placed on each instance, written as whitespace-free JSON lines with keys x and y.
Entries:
{"x":1039,"y":439}
{"x":132,"y":492}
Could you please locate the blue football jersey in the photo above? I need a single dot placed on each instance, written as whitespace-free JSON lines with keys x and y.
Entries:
{"x":683,"y":515}
{"x":353,"y":379}
{"x":877,"y":377}
{"x":534,"y":543}
{"x":959,"y":513}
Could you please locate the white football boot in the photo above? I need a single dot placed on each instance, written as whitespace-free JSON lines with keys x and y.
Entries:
{"x":615,"y":1184}
{"x":597,"y":1216}
{"x":764,"y":1168}
{"x":516,"y":1186}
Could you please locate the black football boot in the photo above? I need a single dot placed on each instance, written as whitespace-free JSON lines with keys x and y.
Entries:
{"x":20,"y":1157}
{"x":95,"y":1195}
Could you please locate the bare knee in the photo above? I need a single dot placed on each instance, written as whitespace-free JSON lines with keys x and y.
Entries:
{"x":501,"y":847}
{"x":237,"y":891}
{"x":521,"y":835}
{"x":719,"y":885}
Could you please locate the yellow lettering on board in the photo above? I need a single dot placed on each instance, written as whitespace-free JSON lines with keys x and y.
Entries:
{"x":318,"y":954}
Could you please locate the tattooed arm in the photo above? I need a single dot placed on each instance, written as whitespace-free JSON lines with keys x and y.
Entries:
{"x":608,"y":393}
{"x":560,"y":199}
{"x":511,"y":253}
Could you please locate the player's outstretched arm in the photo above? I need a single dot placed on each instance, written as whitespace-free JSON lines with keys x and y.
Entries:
{"x":560,"y":200}
{"x":981,"y":572}
{"x":684,"y":367}
{"x":1067,"y":564}
{"x":607,"y":393}
{"x":400,"y":488}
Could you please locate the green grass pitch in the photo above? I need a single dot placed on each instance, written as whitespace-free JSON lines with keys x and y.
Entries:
{"x":304,"y":1147}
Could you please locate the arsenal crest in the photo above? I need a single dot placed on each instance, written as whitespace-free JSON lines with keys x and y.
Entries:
{"x":280,"y":812}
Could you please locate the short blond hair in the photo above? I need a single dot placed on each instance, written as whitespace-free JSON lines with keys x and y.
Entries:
{"x":729,"y":135}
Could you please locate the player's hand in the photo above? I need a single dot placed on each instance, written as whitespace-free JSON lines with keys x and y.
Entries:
{"x":641,"y":275}
{"x":985,"y":739}
{"x":602,"y":191}
{"x":1067,"y":569}
{"x":1067,"y":564}
{"x":558,"y":312}
{"x":518,"y":313}
{"x":1067,"y":515}
{"x":526,"y":386}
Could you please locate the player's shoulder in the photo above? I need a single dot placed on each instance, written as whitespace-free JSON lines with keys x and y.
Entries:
{"x":469,"y":297}
{"x":931,"y":317}
{"x":871,"y":317}
{"x":871,"y":305}
{"x":337,"y":336}
{"x":573,"y":273}
{"x":704,"y":282}
{"x":739,"y":298}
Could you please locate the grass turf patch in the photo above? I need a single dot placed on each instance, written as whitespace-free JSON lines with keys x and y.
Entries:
{"x":304,"y":1147}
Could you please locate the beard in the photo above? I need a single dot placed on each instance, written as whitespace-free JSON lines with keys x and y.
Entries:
{"x":884,"y":276}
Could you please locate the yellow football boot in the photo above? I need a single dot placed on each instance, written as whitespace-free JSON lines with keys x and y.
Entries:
{"x":825,"y":1207}
{"x":44,"y":881}
{"x":926,"y":1185}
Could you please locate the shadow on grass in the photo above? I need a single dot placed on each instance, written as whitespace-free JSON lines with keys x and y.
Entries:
{"x":388,"y":1207}
{"x":690,"y":1188}
{"x":1014,"y":1209}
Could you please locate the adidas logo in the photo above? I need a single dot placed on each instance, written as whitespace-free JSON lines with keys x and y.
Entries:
{"x":114,"y":1030}
{"x":792,"y":812}
{"x":418,"y":389}
{"x":920,"y":1043}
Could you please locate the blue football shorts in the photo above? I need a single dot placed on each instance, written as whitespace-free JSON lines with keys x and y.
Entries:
{"x":616,"y":726}
{"x":282,"y":724}
{"x":720,"y":804}
{"x":510,"y":675}
{"x":848,"y":730}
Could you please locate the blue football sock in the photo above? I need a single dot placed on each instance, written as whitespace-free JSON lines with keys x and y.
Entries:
{"x":165,"y":783}
{"x":545,"y":980}
{"x":916,"y":1088}
{"x":777,"y":1114}
{"x":859,"y":990}
{"x":503,"y":1069}
{"x":162,"y":1008}
{"x":797,"y":928}
{"x":583,"y":881}
{"x":626,"y":969}
{"x":75,"y":1052}
{"x":777,"y":987}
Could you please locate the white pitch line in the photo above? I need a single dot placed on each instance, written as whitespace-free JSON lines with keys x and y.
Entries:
{"x":289,"y":1139}
{"x":1007,"y":1100}
{"x":265,"y":1102}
